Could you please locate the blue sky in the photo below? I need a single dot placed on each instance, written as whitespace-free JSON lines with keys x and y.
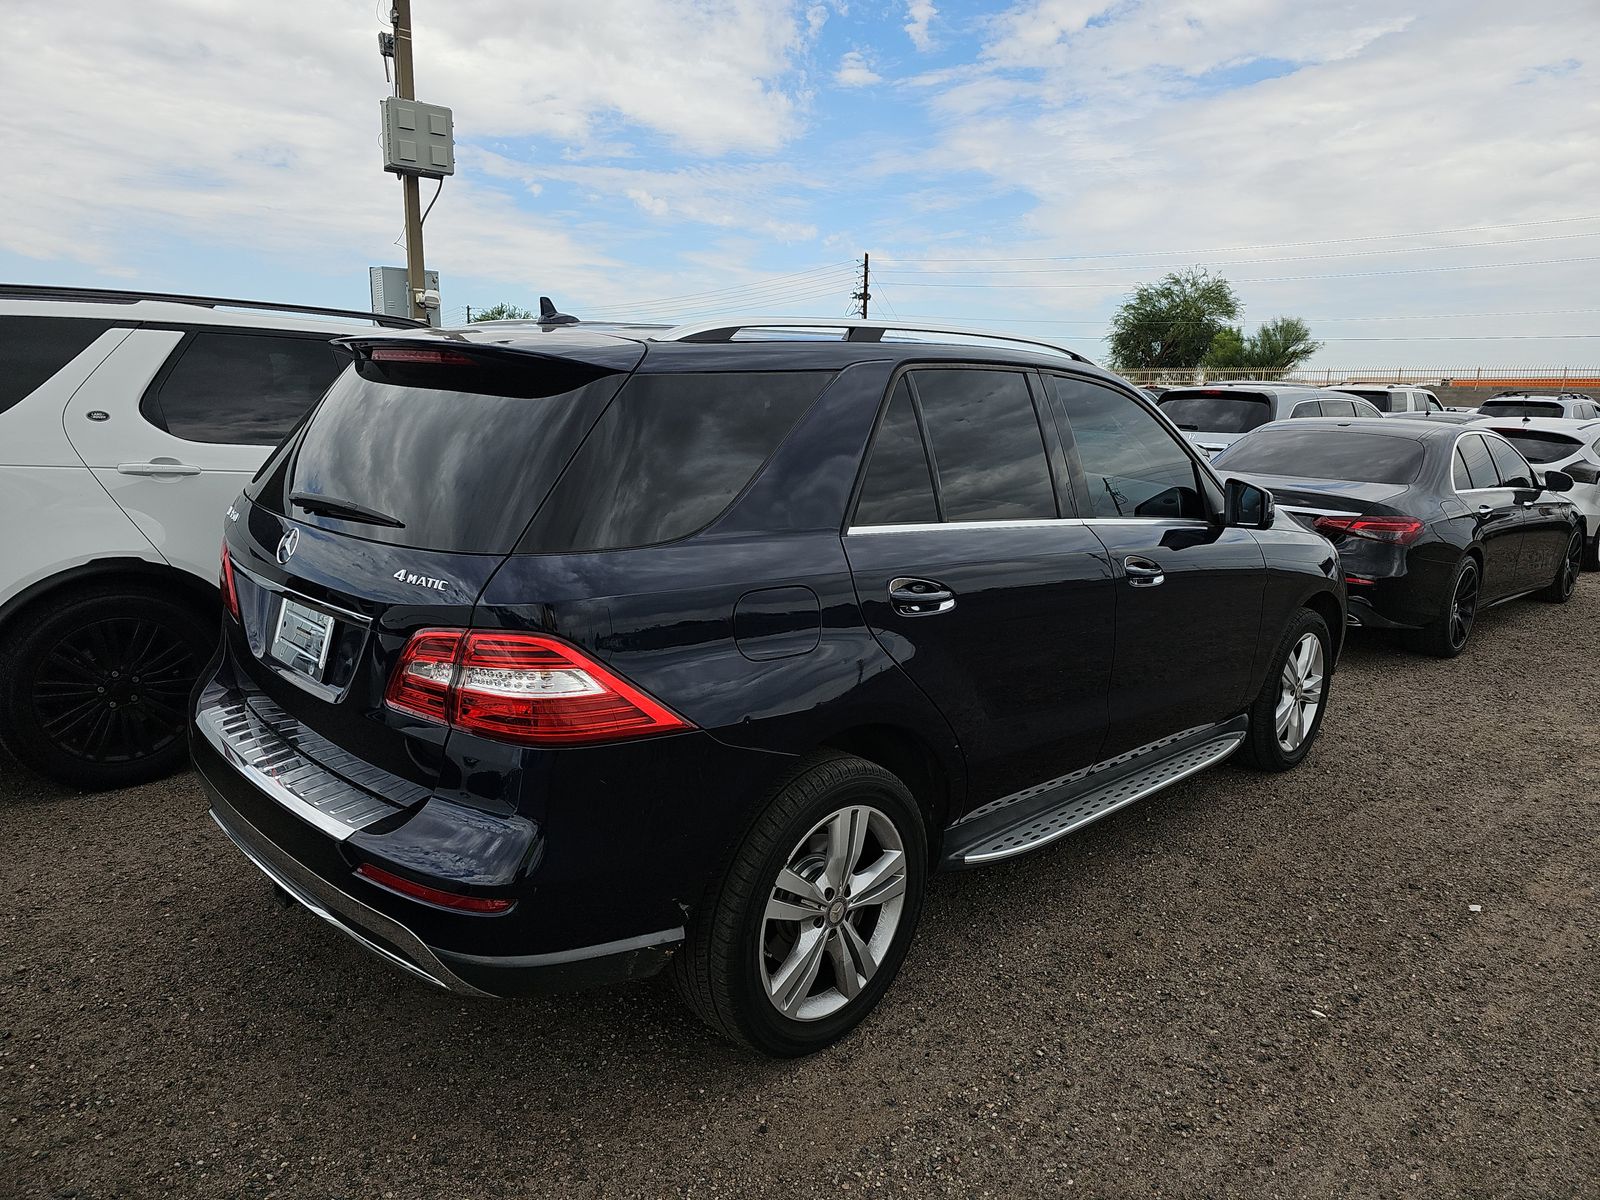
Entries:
{"x":1421,"y":180}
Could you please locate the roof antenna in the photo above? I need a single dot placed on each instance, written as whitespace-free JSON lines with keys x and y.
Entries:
{"x":549,"y":316}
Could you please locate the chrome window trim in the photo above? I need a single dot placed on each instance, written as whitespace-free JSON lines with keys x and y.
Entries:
{"x":1036,"y":523}
{"x":1482,"y":433}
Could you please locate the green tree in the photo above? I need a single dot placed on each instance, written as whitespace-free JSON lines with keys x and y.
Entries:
{"x":1172,"y":323}
{"x":503,"y":312}
{"x":1226,"y":349}
{"x":1279,"y":346}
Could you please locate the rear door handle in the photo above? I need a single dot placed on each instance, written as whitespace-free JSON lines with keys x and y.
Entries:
{"x":920,"y":597}
{"x":169,"y":466}
{"x":1142,"y":572}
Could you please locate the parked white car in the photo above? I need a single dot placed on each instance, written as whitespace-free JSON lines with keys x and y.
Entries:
{"x":1557,"y":444}
{"x":1393,"y":399}
{"x":1571,"y":406}
{"x":128,"y":423}
{"x":1214,"y":416}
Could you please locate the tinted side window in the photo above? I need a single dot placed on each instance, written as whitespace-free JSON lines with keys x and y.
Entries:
{"x":1474,"y":459}
{"x":1514,"y":472}
{"x":1308,"y":408}
{"x":668,"y":456}
{"x":1132,"y":466}
{"x":34,"y":348}
{"x":245,"y":389}
{"x":987,"y":448}
{"x":1459,"y":474}
{"x":1338,"y":408}
{"x":898,"y":488}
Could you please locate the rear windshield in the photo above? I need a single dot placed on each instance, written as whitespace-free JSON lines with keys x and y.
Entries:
{"x":1325,"y":454}
{"x":1539,"y":447}
{"x":1521,"y":408}
{"x":1216,"y":412}
{"x":458,"y":471}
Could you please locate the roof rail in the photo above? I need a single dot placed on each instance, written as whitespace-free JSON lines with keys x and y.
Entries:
{"x":24,"y":291}
{"x":856,"y":331}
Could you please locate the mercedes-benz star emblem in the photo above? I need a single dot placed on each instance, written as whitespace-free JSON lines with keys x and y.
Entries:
{"x":286,"y":547}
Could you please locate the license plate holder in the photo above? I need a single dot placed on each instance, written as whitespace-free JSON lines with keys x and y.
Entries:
{"x":301,"y":639}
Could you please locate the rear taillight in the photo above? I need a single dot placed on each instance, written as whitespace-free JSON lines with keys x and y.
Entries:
{"x":230,"y":593}
{"x":521,"y":687}
{"x":1401,"y":531}
{"x":431,"y":895}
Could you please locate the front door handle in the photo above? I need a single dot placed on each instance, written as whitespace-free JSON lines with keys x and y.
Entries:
{"x":1142,"y":572}
{"x":160,"y":466}
{"x":920,"y":597}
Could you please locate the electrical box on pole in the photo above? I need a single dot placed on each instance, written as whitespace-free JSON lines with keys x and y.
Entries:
{"x":418,"y":139}
{"x":391,"y":293}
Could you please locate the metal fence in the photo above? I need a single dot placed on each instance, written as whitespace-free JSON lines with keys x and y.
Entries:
{"x":1490,"y":378}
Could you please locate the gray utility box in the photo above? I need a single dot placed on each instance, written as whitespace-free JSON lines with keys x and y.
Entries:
{"x":418,"y":139}
{"x":392,"y":297}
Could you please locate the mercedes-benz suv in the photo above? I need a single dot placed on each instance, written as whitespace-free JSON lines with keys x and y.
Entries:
{"x":557,"y":655}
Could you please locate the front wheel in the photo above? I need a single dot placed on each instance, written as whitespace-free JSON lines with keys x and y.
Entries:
{"x":816,"y":911}
{"x":1287,"y":715}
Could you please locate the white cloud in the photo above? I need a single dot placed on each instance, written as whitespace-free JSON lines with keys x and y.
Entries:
{"x":919,"y":15}
{"x":855,"y":71}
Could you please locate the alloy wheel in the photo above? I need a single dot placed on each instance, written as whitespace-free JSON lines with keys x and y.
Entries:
{"x":1300,"y":692}
{"x":832,"y":913}
{"x":114,"y":690}
{"x":1573,"y":566}
{"x":1463,"y":607}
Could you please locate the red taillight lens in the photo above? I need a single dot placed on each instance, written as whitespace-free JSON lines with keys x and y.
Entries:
{"x":431,"y":895}
{"x":230,"y":593}
{"x":421,"y":683}
{"x":1401,"y":531}
{"x":406,"y":354}
{"x":521,"y":687}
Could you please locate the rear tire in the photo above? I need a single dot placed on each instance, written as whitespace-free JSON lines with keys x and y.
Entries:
{"x":95,"y":683}
{"x":744,"y":966}
{"x":1567,"y":572}
{"x":1287,"y":714}
{"x":1447,"y":635}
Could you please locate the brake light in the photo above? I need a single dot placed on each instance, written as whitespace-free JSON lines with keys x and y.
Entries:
{"x":421,"y":683}
{"x":431,"y":895}
{"x":1400,"y":531}
{"x":521,"y":687}
{"x":230,"y":593}
{"x":420,"y":354}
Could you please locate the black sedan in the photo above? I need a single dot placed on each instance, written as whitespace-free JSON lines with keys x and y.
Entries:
{"x":1433,"y":521}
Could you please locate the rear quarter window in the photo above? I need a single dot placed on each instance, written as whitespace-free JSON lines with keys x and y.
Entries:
{"x":243,"y":389}
{"x":668,"y":458}
{"x":32,"y":349}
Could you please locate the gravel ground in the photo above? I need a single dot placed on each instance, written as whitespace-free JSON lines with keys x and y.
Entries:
{"x":1246,"y":986}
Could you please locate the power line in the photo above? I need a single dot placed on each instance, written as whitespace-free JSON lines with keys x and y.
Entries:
{"x":1376,"y":237}
{"x":1548,"y":262}
{"x":1526,"y":312}
{"x":1245,"y":262}
{"x":758,"y":285}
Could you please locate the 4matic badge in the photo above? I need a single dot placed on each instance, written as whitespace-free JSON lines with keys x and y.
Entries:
{"x":426,"y":581}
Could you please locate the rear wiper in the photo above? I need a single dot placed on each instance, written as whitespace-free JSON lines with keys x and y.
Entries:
{"x":346,"y":510}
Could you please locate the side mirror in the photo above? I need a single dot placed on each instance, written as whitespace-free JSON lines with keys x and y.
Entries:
{"x":1557,"y":481}
{"x":1247,"y":506}
{"x":1580,"y":473}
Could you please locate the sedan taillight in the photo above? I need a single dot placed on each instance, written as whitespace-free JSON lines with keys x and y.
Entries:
{"x":521,"y":687}
{"x":1401,"y":531}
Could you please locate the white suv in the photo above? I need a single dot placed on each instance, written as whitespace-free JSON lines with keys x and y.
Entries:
{"x":1571,"y":406}
{"x":1393,"y":399}
{"x":128,"y":423}
{"x":1562,"y":444}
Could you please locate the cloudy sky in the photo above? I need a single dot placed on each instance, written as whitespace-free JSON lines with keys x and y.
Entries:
{"x":1418,"y":178}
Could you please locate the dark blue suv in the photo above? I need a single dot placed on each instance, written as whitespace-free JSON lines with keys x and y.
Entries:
{"x":557,"y":655}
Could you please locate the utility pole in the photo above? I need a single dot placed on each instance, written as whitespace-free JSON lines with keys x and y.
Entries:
{"x":865,"y":293}
{"x":469,"y":312}
{"x":405,"y":87}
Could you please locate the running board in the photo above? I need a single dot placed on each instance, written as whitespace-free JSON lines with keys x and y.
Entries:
{"x":1086,"y":797}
